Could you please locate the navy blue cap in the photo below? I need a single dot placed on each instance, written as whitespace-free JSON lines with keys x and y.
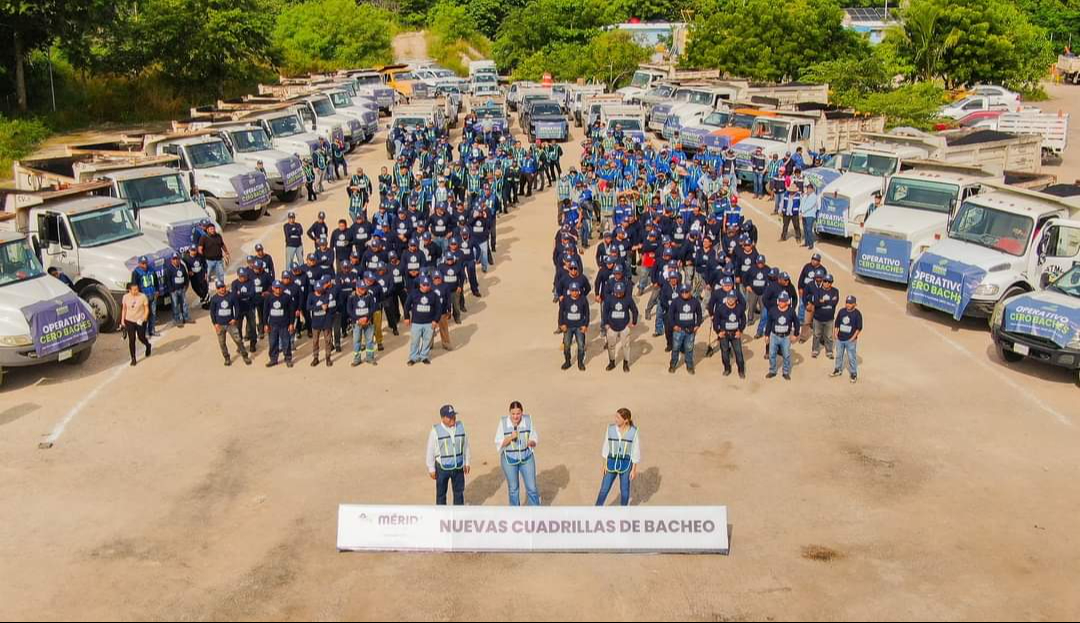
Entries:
{"x":784,"y":296}
{"x":785,"y":276}
{"x":286,"y":274}
{"x":816,"y":256}
{"x":575,"y":287}
{"x":760,"y":259}
{"x":322,"y":214}
{"x":243,"y":272}
{"x":311,"y":256}
{"x":727,"y":281}
{"x":618,"y":270}
{"x":277,"y":284}
{"x":258,"y":247}
{"x":143,"y":259}
{"x":684,"y":288}
{"x":220,"y":284}
{"x":619,"y":288}
{"x":851,"y":299}
{"x":447,"y":411}
{"x":828,"y":278}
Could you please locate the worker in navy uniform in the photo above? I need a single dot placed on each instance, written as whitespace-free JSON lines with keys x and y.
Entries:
{"x":684,"y":316}
{"x":341,"y":241}
{"x":177,"y":278}
{"x":448,"y":456}
{"x":445,"y":292}
{"x":361,"y":309}
{"x":196,"y":266}
{"x":318,"y":229}
{"x":224,"y":310}
{"x":262,"y":282}
{"x":619,"y":315}
{"x":729,"y":322}
{"x":848,"y":327}
{"x":150,"y":285}
{"x":265,"y":258}
{"x":806,"y":282}
{"x":453,"y":276}
{"x":244,"y":289}
{"x":322,"y":319}
{"x":755,"y":281}
{"x":279,"y":309}
{"x":294,"y":241}
{"x":783,"y":322}
{"x":515,"y":441}
{"x":824,"y":300}
{"x":324,"y":255}
{"x":574,"y":324}
{"x":422,"y":310}
{"x":622,"y":454}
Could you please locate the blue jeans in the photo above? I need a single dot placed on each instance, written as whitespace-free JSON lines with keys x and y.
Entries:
{"x":778,"y":198}
{"x":808,"y":230}
{"x":624,"y":488}
{"x":215,"y":271}
{"x":280,"y":342}
{"x":527,"y":472}
{"x":759,"y":184}
{"x":294,"y":255}
{"x":764,"y":322}
{"x":783,"y":346}
{"x":682,"y":342}
{"x":363,"y":338}
{"x":482,"y":249}
{"x":420,"y":342}
{"x":801,"y":313}
{"x":660,"y":313}
{"x":180,"y":312}
{"x":847,"y":348}
{"x":151,"y":321}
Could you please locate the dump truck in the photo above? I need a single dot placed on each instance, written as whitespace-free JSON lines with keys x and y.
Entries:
{"x":721,"y":129}
{"x":157,"y":193}
{"x":282,"y":122}
{"x":649,"y":74}
{"x":1068,"y":67}
{"x":89,"y":236}
{"x":316,"y":109}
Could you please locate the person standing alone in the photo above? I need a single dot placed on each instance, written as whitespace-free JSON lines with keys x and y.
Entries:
{"x":448,"y":456}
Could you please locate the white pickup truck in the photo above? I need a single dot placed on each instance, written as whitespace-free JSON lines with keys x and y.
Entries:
{"x":41,"y":319}
{"x":631,"y":119}
{"x":1002,"y":242}
{"x":93,"y":239}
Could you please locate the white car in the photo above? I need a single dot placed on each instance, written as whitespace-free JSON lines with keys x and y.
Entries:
{"x":998,"y":95}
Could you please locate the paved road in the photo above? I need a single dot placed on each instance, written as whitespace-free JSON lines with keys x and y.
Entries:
{"x":941,"y":486}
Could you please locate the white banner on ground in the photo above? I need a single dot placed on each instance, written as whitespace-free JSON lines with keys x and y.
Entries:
{"x":640,"y":529}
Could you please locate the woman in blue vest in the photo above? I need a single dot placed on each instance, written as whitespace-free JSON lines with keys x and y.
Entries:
{"x":515,"y":440}
{"x":621,"y":453}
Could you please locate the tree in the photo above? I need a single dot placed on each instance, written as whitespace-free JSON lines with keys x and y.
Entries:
{"x":768,"y":40}
{"x":324,"y":35}
{"x":1059,"y":18}
{"x":609,"y":57}
{"x":543,"y":23}
{"x":969,"y":41}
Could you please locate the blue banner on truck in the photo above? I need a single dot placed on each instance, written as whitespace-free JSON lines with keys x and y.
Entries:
{"x":251,"y":189}
{"x":1029,"y":316}
{"x":832,"y":215}
{"x":821,"y":177}
{"x":943,"y":284}
{"x":292,"y":173}
{"x":59,"y":323}
{"x":883,"y":258}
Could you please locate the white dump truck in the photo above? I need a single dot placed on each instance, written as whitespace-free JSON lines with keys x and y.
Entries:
{"x":157,"y":193}
{"x":870,"y":164}
{"x":1002,"y":242}
{"x":317,"y":111}
{"x":282,"y":123}
{"x":650,"y":74}
{"x":91,"y":238}
{"x":41,"y":319}
{"x":630,"y":118}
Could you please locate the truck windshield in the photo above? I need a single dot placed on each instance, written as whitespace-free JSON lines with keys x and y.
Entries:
{"x":18,"y":262}
{"x":743,"y":121}
{"x":286,"y":126}
{"x":700,"y":97}
{"x":323,"y":107}
{"x":770,"y":129}
{"x":664,"y":90}
{"x":921,"y":195}
{"x":100,"y":227}
{"x":872,"y":164}
{"x":409,"y":122}
{"x":341,"y":100}
{"x":208,"y":155}
{"x":490,"y":111}
{"x":546,"y":109}
{"x":150,"y":192}
{"x":717,"y":120}
{"x":1068,"y":283}
{"x":247,"y":141}
{"x":641,"y":79}
{"x":629,"y":125}
{"x":368,"y":80}
{"x":994,"y":229}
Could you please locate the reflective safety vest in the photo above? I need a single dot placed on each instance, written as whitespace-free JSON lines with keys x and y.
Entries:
{"x":618,"y":458}
{"x":450,"y":449}
{"x":518,"y":452}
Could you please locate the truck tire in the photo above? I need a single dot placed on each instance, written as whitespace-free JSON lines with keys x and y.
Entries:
{"x":1008,"y":356}
{"x":1013,"y":291}
{"x":220,"y":215}
{"x":289,"y":196}
{"x":104,"y":306}
{"x":251,"y":215}
{"x":80,"y":357}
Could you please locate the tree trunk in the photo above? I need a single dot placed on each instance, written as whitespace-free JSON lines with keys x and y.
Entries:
{"x":20,"y":74}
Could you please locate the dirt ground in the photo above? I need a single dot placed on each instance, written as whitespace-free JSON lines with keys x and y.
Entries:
{"x":941,"y":486}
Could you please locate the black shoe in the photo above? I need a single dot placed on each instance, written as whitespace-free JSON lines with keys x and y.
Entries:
{"x":381,"y":347}
{"x":671,"y":369}
{"x":610,"y":365}
{"x":727,"y":371}
{"x":626,"y":366}
{"x":395,"y":331}
{"x":132,"y":362}
{"x":709,"y":351}
{"x":787,"y":377}
{"x":410,"y":363}
{"x":426,"y":362}
{"x":854,"y":378}
{"x":742,"y":374}
{"x":288,"y":363}
{"x":228,"y":362}
{"x":147,"y":351}
{"x":566,"y":365}
{"x":690,"y":369}
{"x":835,"y":373}
{"x":271,"y":364}
{"x":770,"y":375}
{"x":314,"y":362}
{"x":329,"y":363}
{"x":667,"y":349}
{"x":581,"y":366}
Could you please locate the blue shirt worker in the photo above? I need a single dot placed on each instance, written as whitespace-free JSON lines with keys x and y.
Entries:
{"x":622,"y":454}
{"x":782,"y":323}
{"x":224,"y":311}
{"x":361,"y":309}
{"x":448,"y":456}
{"x":279,"y":309}
{"x":729,"y":322}
{"x":515,"y":441}
{"x":619,"y":315}
{"x":821,"y":305}
{"x":321,"y":306}
{"x":848,"y":327}
{"x":684,"y":316}
{"x":423,"y":307}
{"x":177,"y":279}
{"x":294,"y":241}
{"x":574,"y":324}
{"x":147,"y":279}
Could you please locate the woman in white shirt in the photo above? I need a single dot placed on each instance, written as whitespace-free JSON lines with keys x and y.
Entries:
{"x":515,"y":440}
{"x":621,"y":453}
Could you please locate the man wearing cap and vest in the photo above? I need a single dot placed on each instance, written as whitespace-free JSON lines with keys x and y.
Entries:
{"x":448,"y":456}
{"x":515,"y":441}
{"x":848,"y":327}
{"x":621,"y":453}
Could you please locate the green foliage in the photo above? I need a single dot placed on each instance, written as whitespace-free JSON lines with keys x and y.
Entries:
{"x":18,"y":139}
{"x":609,"y":57}
{"x":850,"y":78}
{"x":454,"y":36}
{"x":1059,"y":18}
{"x":325,"y":35}
{"x":970,"y":41}
{"x":913,"y":105}
{"x":488,"y":15}
{"x":543,"y":23}
{"x":768,"y":40}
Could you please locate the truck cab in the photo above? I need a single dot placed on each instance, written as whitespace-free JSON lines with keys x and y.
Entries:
{"x":41,"y":319}
{"x":683,"y":115}
{"x":370,"y":82}
{"x":543,"y":119}
{"x":94,"y":239}
{"x":976,"y":103}
{"x":710,"y":96}
{"x":914,"y":215}
{"x":515,"y":93}
{"x":250,"y":144}
{"x":721,"y":129}
{"x":228,"y":186}
{"x":576,"y":99}
{"x":346,"y":105}
{"x":631,"y":119}
{"x":1044,"y":325}
{"x":640,"y":84}
{"x":1001,"y":243}
{"x":319,"y":110}
{"x":287,"y":132}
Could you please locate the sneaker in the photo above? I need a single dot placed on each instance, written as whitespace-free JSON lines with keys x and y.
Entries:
{"x":626,"y":366}
{"x":410,"y":363}
{"x":288,"y":363}
{"x":247,"y":361}
{"x":228,"y":362}
{"x":690,"y":369}
{"x":395,"y":331}
{"x":742,"y":374}
{"x":373,"y":362}
{"x":271,"y":364}
{"x":709,"y":351}
{"x":610,"y":365}
{"x":667,"y":349}
{"x":671,"y":369}
{"x":381,"y":347}
{"x":314,"y":362}
{"x":426,"y":361}
{"x":787,"y":377}
{"x":581,"y":366}
{"x":356,"y":362}
{"x":329,"y":363}
{"x":854,"y":378}
{"x":814,"y":355}
{"x":835,"y":373}
{"x":770,"y":375}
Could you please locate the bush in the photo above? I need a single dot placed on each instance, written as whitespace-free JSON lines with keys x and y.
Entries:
{"x":325,"y":35}
{"x":453,"y":37}
{"x":914,"y":105}
{"x":18,"y":139}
